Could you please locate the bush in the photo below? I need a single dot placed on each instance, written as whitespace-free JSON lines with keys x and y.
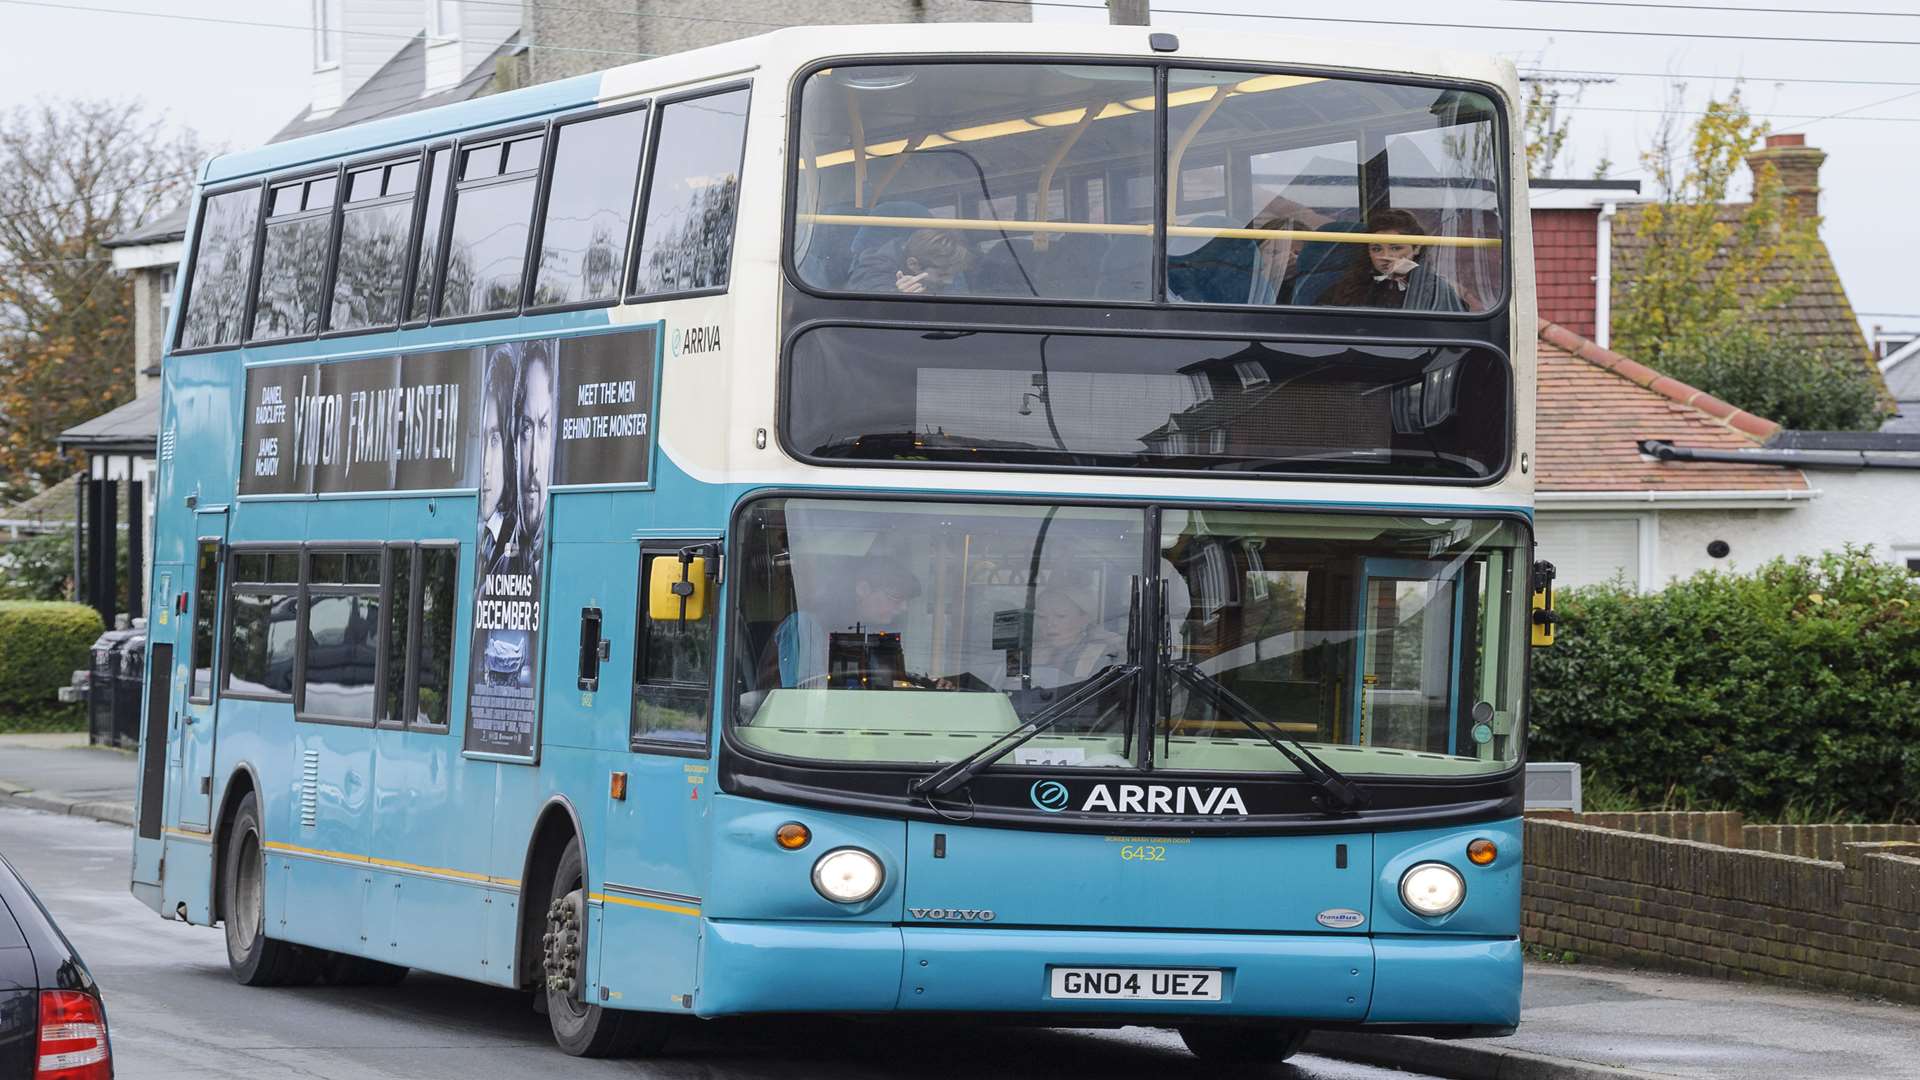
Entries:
{"x":41,"y":645}
{"x":1792,"y":687}
{"x":37,"y":567}
{"x":1783,"y":380}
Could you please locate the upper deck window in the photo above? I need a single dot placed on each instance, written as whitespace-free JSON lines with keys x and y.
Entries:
{"x":374,"y":233}
{"x":1304,"y":191}
{"x":584,"y":228}
{"x":1041,"y":176}
{"x":1280,"y":189}
{"x":492,"y":211}
{"x":293,"y":260}
{"x":222,"y":263}
{"x":686,"y":238}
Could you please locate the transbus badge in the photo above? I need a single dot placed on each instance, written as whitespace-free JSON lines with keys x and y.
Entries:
{"x":1050,"y":795}
{"x":1340,"y":918}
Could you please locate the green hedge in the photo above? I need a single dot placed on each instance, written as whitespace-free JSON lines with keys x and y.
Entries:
{"x":42,"y":643}
{"x":1790,"y":691}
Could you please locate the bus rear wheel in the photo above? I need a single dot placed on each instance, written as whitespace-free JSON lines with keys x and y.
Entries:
{"x":1232,"y":1045}
{"x":255,"y":958}
{"x":582,"y":1029}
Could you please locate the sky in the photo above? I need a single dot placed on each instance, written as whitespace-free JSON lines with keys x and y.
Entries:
{"x":223,"y":68}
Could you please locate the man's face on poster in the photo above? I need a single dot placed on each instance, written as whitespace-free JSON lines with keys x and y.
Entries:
{"x":493,"y":450}
{"x":534,"y":447}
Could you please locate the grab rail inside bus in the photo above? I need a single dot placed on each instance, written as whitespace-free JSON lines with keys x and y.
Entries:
{"x":1117,"y":229}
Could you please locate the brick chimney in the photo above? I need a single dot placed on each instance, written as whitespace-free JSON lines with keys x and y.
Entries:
{"x":1797,"y":165}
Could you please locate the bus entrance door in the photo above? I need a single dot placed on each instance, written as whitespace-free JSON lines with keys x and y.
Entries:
{"x":1409,"y":619}
{"x":195,"y":734}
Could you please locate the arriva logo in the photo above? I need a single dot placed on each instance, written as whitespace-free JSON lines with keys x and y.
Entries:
{"x":1174,"y":801}
{"x":1049,"y":795}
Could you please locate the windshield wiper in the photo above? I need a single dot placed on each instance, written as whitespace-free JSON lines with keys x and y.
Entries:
{"x":966,"y":768}
{"x":1338,"y":795}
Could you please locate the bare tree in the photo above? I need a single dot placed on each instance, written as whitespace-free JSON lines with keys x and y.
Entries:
{"x":78,"y":172}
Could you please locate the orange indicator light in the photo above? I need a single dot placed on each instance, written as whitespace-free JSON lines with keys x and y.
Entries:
{"x":617,"y":786}
{"x":1482,"y":852}
{"x":793,"y":836}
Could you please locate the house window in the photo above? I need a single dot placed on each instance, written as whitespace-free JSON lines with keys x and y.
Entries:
{"x":1590,"y":550}
{"x":443,"y":20}
{"x":326,"y":33}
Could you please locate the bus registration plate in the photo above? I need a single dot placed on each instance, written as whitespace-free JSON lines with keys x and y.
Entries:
{"x":1135,"y":984}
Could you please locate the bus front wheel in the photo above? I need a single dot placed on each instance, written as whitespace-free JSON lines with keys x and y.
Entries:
{"x":583,"y":1029}
{"x":1243,"y":1045}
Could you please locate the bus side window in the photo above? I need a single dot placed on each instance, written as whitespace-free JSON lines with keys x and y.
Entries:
{"x":433,"y":678}
{"x":673,"y":670}
{"x":206,"y":606}
{"x":693,"y":189}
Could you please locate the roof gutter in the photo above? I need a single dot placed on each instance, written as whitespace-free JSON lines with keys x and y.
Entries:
{"x":1673,"y":500}
{"x":1786,"y":459}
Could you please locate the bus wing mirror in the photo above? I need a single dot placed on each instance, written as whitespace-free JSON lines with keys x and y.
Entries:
{"x":677,"y":589}
{"x":1544,"y":618}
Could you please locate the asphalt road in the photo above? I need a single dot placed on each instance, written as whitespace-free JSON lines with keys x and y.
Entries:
{"x":175,"y":1014}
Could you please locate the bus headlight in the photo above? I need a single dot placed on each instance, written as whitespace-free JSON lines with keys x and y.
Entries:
{"x":848,"y":875}
{"x":1432,"y":889}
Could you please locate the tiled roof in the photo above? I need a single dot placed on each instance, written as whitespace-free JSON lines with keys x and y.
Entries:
{"x":1594,"y":406}
{"x":161,"y":230}
{"x":132,"y":428}
{"x":1819,"y":313}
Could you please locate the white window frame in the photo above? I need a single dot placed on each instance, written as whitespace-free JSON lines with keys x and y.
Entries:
{"x":326,"y":31}
{"x":443,"y":21}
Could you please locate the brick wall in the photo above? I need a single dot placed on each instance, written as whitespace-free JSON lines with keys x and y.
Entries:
{"x":1564,"y":250}
{"x":1852,"y":923}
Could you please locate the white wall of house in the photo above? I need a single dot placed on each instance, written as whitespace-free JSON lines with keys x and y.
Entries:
{"x":1653,"y":544}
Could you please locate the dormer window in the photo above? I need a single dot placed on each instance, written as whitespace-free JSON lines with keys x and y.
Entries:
{"x":326,"y":34}
{"x":443,"y":21}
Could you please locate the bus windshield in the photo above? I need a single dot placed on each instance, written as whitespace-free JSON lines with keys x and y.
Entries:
{"x":890,"y":631}
{"x":1040,"y":181}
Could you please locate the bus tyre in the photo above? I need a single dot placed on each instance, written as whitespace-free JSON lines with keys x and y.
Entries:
{"x":255,"y":958}
{"x":1243,"y":1045}
{"x":583,"y":1029}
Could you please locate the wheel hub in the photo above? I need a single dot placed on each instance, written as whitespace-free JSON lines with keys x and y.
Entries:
{"x":560,"y":946}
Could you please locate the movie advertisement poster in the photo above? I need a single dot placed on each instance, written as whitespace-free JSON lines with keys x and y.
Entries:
{"x":552,"y":411}
{"x":510,"y":420}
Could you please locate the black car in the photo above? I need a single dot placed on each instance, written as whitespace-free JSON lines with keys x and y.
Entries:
{"x":53,"y":1025}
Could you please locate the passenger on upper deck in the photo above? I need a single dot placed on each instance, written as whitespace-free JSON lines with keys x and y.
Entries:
{"x":1393,"y":275}
{"x":925,"y":261}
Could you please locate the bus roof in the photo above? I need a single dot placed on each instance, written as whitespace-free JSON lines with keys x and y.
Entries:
{"x":794,"y":47}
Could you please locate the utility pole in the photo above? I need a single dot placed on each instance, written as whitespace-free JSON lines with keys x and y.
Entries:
{"x":1127,"y":12}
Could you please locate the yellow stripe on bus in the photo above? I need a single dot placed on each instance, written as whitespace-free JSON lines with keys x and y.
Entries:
{"x":650,"y":905}
{"x":394,"y":864}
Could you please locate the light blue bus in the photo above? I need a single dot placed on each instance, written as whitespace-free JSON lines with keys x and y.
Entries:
{"x":1029,"y":523}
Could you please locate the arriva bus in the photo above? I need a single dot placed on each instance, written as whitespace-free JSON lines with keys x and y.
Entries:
{"x":1022,"y":522}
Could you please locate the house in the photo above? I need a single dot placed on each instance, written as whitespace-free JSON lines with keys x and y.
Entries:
{"x":1900,"y":368}
{"x":1715,"y":487}
{"x":1819,"y":313}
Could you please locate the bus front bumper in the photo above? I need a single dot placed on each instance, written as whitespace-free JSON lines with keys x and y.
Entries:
{"x":1335,"y":979}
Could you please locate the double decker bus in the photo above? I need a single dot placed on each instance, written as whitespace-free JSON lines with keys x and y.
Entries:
{"x":1019,"y":522}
